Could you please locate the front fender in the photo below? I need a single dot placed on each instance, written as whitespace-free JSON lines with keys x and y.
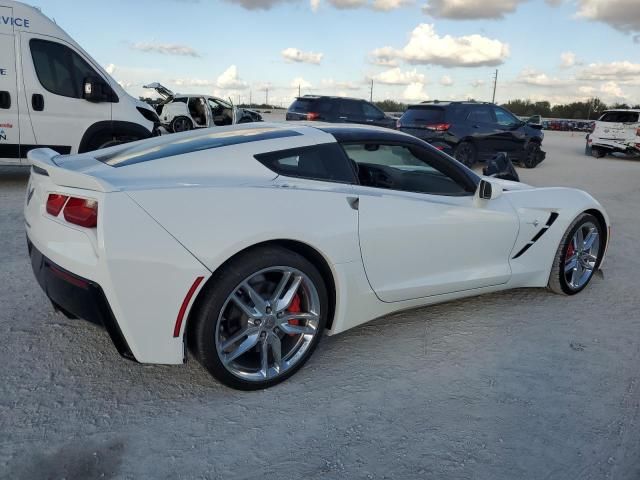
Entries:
{"x":535,"y":207}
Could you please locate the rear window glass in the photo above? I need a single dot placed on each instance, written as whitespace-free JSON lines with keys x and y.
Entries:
{"x":423,"y":115}
{"x":304,"y":105}
{"x":321,"y":162}
{"x":620,"y":117}
{"x":180,"y":144}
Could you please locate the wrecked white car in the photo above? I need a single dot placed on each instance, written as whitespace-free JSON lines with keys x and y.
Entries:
{"x":182,"y":112}
{"x":616,"y":131}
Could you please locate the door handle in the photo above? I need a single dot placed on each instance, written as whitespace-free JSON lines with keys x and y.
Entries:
{"x":354,"y":202}
{"x":37,"y":102}
{"x":5,"y":100}
{"x":342,"y":118}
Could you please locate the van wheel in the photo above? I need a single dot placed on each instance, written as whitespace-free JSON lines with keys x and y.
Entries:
{"x":181,"y":124}
{"x":106,"y":140}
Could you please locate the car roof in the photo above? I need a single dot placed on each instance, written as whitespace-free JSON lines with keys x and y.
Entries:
{"x":359,"y":133}
{"x":438,"y":103}
{"x":634,"y":110}
{"x":328,"y":97}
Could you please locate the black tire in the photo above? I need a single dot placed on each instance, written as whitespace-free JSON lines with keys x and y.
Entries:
{"x":181,"y":124}
{"x":466,"y":153}
{"x":598,"y":152}
{"x":108,"y":140}
{"x":246,"y":120}
{"x":532,"y":155}
{"x":587,"y":150}
{"x":558,"y":278}
{"x":204,"y":324}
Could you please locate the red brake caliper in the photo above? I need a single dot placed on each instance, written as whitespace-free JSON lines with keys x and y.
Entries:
{"x":294,"y":308}
{"x":570,"y":250}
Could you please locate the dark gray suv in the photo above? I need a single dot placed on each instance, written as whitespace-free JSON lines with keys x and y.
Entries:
{"x":474,"y":131}
{"x":338,"y":110}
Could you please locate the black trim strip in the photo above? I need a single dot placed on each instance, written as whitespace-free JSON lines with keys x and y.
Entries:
{"x":552,"y":218}
{"x":39,"y":171}
{"x":16,"y":150}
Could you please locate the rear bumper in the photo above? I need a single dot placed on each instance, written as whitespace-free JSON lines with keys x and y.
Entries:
{"x":77,"y":297}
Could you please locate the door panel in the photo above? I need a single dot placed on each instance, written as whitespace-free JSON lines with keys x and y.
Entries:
{"x":9,"y":111}
{"x":64,"y":118}
{"x":418,"y":245}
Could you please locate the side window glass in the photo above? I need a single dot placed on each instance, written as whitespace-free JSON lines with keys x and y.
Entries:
{"x":350,"y":108}
{"x":480,"y":114}
{"x":504,"y":118}
{"x":397,"y":167}
{"x":322,"y":162}
{"x":372,"y":112}
{"x":59,"y":69}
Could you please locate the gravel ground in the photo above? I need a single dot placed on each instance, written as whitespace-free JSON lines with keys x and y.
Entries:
{"x":516,"y":385}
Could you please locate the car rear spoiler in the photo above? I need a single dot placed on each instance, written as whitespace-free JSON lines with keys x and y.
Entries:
{"x":43,"y":161}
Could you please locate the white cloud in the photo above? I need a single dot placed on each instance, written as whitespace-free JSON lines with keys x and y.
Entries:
{"x":622,"y":72}
{"x":230,"y":79}
{"x":396,"y":76}
{"x":192,"y":82}
{"x":333,"y":84}
{"x":568,"y":59}
{"x":314,"y":4}
{"x":612,"y":89}
{"x":533,"y":77}
{"x":446,"y":81}
{"x":477,"y":83}
{"x":415,"y":92}
{"x":425,"y":46}
{"x":260,"y":4}
{"x":620,"y":14}
{"x":298,"y":56}
{"x":380,"y":5}
{"x":165,"y":49}
{"x":586,"y":90}
{"x":470,"y":9}
{"x":300,"y":82}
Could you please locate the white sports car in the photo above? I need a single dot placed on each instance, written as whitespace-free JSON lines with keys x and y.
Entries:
{"x":246,"y":243}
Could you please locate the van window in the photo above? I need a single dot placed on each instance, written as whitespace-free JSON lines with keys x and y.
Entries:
{"x":59,"y":69}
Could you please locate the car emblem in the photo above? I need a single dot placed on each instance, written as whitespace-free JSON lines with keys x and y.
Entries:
{"x":30,"y":194}
{"x":535,"y":223}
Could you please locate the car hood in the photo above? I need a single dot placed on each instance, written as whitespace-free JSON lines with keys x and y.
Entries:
{"x":508,"y":184}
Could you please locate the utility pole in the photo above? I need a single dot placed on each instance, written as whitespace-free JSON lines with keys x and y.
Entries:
{"x":250,"y":99}
{"x":298,"y":89}
{"x":371,"y":92}
{"x":495,"y":84}
{"x":266,"y":98}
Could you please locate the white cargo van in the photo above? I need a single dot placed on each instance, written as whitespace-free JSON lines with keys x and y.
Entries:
{"x":53,"y":94}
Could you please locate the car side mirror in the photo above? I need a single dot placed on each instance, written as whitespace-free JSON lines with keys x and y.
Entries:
{"x":95,"y":90}
{"x":488,"y":190}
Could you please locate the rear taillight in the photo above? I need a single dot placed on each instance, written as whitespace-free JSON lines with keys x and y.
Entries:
{"x":313,"y":116}
{"x":55,"y":202}
{"x":81,"y":211}
{"x":438,"y":127}
{"x":398,"y":124}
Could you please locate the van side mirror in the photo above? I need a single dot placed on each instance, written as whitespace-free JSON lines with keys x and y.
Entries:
{"x":488,"y":190}
{"x":96,"y":90}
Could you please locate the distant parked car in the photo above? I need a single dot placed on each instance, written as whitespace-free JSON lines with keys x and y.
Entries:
{"x":179,"y":113}
{"x":475,"y":131}
{"x":616,"y":131}
{"x":338,"y":110}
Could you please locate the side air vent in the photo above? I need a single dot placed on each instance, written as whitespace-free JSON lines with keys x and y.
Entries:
{"x":552,"y":218}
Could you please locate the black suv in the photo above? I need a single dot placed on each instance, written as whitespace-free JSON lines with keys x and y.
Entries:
{"x":473,"y":131}
{"x":338,"y":110}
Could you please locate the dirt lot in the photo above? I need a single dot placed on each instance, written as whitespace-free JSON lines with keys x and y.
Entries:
{"x":516,"y":385}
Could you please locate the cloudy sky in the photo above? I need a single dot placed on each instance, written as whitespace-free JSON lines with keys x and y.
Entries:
{"x":557,"y":50}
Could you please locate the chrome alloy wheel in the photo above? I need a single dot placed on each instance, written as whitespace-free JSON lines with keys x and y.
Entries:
{"x":267,"y":323}
{"x":581,"y":255}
